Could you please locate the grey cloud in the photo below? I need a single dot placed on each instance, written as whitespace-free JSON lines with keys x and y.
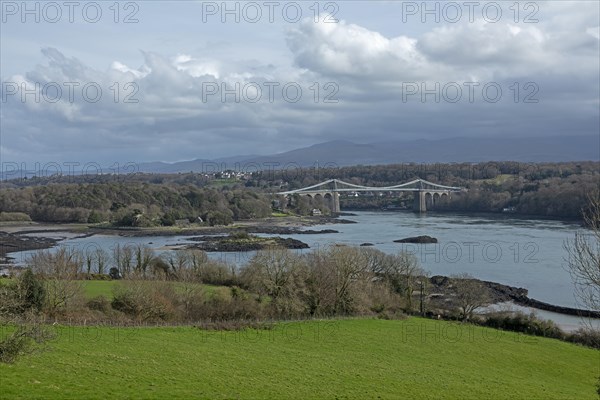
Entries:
{"x":171,"y":121}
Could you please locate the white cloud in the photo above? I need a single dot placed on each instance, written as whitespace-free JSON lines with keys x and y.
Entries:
{"x":194,"y":67}
{"x":349,"y":49}
{"x":594,"y":32}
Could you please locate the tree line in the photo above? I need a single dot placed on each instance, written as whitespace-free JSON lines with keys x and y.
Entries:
{"x":133,"y":204}
{"x":544,"y":189}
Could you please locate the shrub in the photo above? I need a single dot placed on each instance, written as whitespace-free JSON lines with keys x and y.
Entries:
{"x":114,"y":273}
{"x":22,"y":341}
{"x":13,"y":346}
{"x":190,"y":297}
{"x":520,"y":322}
{"x":31,"y":291}
{"x":223,"y":307}
{"x":99,"y":303}
{"x":146,"y":301}
{"x":240,"y":235}
{"x":216,"y":273}
{"x":96,"y":217}
{"x":14,"y":217}
{"x":586,"y":336}
{"x":390,"y":315}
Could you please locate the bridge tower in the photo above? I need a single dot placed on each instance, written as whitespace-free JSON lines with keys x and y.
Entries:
{"x":419,"y":203}
{"x":335,"y":199}
{"x":335,"y":203}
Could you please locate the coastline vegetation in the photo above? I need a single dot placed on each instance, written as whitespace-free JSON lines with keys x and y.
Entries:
{"x":148,"y":200}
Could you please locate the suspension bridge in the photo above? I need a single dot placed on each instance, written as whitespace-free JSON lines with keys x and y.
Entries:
{"x":425,"y":193}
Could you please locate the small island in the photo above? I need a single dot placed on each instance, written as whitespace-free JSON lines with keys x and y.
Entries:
{"x":417,"y":239}
{"x":242,"y":241}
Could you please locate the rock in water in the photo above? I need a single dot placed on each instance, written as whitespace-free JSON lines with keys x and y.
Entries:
{"x":417,"y":239}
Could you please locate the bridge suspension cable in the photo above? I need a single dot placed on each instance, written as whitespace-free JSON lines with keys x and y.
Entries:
{"x":405,"y":187}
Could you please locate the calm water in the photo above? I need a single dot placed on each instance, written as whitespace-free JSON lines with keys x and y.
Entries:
{"x":517,"y":252}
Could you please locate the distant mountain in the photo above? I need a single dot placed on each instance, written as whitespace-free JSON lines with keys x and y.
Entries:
{"x":460,"y":149}
{"x":344,"y":153}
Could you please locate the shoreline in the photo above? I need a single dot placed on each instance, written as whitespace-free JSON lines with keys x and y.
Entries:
{"x":15,"y":237}
{"x":501,"y":293}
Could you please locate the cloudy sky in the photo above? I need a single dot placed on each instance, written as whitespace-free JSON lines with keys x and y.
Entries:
{"x":170,"y":81}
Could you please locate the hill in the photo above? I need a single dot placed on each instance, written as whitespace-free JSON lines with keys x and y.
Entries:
{"x":459,"y":149}
{"x":360,"y":358}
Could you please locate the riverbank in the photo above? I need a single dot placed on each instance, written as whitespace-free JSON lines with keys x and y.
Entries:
{"x":515,"y":253}
{"x":25,"y":236}
{"x":10,"y":243}
{"x":443,"y":295}
{"x":275,"y":225}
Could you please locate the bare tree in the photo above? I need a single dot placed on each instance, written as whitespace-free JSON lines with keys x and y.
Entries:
{"x":60,"y":271}
{"x":403,"y":272}
{"x":126,"y":260}
{"x":143,"y":258}
{"x":89,"y":261}
{"x":179,"y":261}
{"x":348,"y":266}
{"x":320,"y":284}
{"x":376,"y":260}
{"x":102,"y":258}
{"x":196,"y":258}
{"x":583,"y":260}
{"x":471,"y":295}
{"x":277,"y":273}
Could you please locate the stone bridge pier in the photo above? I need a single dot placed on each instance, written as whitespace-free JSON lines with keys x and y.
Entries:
{"x":425,"y":199}
{"x":331,"y":199}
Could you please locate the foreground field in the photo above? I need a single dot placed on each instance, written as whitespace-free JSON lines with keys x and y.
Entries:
{"x":361,"y":358}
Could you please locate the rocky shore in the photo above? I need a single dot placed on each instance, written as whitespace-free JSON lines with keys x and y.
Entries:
{"x":271,"y":226}
{"x":443,"y":291}
{"x":11,"y":242}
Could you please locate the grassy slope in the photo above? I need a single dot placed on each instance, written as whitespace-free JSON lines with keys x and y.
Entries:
{"x":345,"y":359}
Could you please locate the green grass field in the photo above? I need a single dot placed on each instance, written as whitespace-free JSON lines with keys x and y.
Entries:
{"x":99,"y":288}
{"x":95,"y":288}
{"x":358,"y":358}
